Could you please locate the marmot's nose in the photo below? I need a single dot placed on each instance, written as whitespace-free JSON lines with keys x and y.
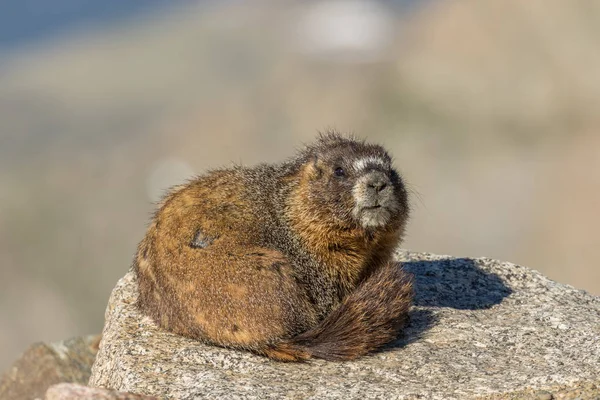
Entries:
{"x":378,"y":185}
{"x":377,"y":182}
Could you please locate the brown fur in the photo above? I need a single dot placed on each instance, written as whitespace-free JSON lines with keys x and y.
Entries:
{"x":270,"y":260}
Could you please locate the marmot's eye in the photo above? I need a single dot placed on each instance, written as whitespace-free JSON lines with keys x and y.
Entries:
{"x":339,"y":171}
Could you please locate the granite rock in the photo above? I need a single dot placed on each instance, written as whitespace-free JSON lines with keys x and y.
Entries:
{"x":73,"y":391}
{"x":573,"y":391}
{"x":479,"y":327}
{"x":43,"y":365}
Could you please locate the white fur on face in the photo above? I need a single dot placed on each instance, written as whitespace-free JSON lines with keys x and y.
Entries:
{"x":362,"y":163}
{"x":374,"y":218}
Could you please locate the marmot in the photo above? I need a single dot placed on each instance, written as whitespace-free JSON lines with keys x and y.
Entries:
{"x":290,"y":261}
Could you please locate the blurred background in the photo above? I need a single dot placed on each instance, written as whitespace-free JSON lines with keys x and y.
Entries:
{"x":490,"y":109}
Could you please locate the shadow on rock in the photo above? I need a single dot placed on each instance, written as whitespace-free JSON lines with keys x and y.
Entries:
{"x":420,"y":321}
{"x":458,"y":283}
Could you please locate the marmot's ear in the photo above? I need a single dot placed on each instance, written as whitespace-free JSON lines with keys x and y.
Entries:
{"x":314,"y":169}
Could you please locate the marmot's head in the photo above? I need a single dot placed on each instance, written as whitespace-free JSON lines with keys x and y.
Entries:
{"x":352,"y":184}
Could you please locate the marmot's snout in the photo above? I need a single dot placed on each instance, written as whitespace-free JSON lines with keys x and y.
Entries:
{"x":375,"y":199}
{"x":376,"y":182}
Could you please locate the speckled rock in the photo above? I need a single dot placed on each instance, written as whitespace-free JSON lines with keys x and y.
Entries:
{"x":43,"y":365}
{"x":72,"y":391}
{"x":573,"y":391}
{"x":479,"y":327}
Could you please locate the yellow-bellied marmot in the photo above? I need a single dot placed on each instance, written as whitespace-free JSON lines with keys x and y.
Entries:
{"x":290,"y":260}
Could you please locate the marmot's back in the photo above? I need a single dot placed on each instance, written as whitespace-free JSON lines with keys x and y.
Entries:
{"x":290,"y":260}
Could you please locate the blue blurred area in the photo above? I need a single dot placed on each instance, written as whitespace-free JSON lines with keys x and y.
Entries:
{"x":26,"y":21}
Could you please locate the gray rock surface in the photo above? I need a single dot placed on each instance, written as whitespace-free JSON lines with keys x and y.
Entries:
{"x":479,"y":327}
{"x":573,"y":391}
{"x":43,"y":365}
{"x":72,"y":391}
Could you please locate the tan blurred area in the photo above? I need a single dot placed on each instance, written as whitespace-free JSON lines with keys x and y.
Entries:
{"x":489,"y":108}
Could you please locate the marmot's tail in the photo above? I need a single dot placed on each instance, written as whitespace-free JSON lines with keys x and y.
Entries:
{"x":367,"y":319}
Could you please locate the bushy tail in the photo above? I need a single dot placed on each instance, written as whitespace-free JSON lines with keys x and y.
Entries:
{"x":367,"y":319}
